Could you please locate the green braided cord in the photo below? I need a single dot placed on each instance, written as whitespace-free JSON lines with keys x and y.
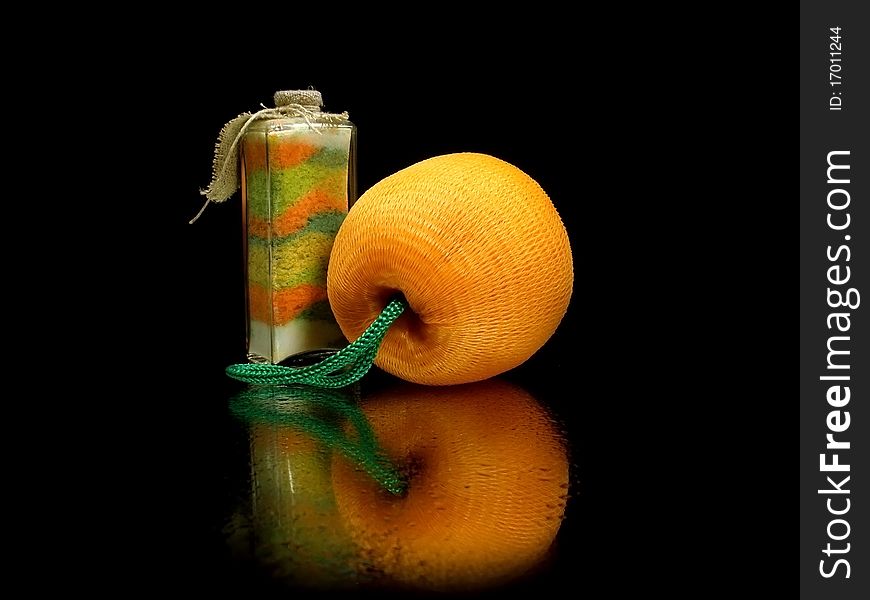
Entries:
{"x":343,"y":368}
{"x":262,"y":404}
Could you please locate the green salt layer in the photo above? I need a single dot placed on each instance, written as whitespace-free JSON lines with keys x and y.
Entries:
{"x":325,"y":222}
{"x":329,"y":157}
{"x":319,"y":311}
{"x":287,"y":186}
{"x":313,"y":272}
{"x":302,"y":258}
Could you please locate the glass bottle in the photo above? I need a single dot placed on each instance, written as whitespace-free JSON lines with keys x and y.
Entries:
{"x":298,"y":180}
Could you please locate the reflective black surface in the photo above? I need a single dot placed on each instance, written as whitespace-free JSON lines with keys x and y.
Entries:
{"x":485,"y":473}
{"x":259,"y":495}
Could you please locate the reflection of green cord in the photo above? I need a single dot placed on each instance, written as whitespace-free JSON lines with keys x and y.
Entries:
{"x":264,"y":404}
{"x":343,"y":368}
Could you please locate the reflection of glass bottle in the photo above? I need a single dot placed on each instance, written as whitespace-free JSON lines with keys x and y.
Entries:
{"x":292,"y":527}
{"x":298,"y":533}
{"x":298,"y":182}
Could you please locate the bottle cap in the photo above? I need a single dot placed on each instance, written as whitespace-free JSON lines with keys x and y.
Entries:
{"x":310,"y":99}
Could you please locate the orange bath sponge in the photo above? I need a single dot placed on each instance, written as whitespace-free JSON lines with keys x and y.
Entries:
{"x":480,"y":254}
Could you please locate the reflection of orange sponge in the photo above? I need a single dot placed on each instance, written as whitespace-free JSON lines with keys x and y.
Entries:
{"x":479,"y":252}
{"x":487,"y":482}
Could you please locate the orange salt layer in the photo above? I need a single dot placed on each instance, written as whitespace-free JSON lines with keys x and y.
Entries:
{"x":282,"y":154}
{"x":287,"y":304}
{"x":296,"y":216}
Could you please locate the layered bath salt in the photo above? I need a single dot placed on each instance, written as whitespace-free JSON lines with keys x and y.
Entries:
{"x":297,"y":186}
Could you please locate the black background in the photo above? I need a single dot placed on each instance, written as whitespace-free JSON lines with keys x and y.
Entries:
{"x":647,"y":162}
{"x":198,"y":314}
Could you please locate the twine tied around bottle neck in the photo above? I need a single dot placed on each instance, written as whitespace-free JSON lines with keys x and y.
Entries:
{"x":304,"y":104}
